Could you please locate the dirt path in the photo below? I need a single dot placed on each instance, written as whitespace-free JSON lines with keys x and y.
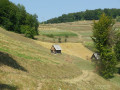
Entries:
{"x":86,"y":76}
{"x":39,"y":86}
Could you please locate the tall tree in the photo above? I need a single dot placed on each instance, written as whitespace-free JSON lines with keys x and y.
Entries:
{"x":15,"y":18}
{"x":101,"y":36}
{"x":117,"y":46}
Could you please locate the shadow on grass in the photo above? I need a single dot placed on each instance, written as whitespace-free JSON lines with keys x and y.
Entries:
{"x":6,"y":59}
{"x":35,"y":38}
{"x":7,"y":87}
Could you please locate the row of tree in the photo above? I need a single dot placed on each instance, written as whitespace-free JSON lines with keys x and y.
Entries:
{"x":15,"y":18}
{"x":86,"y":15}
{"x":107,"y":43}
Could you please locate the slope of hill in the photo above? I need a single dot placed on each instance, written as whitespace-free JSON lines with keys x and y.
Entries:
{"x":75,"y":49}
{"x":83,"y":29}
{"x":26,"y":65}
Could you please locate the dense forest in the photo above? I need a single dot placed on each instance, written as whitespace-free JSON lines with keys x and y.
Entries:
{"x":15,"y":18}
{"x":86,"y":15}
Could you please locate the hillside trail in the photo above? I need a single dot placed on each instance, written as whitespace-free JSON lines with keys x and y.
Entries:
{"x":39,"y":86}
{"x":86,"y":76}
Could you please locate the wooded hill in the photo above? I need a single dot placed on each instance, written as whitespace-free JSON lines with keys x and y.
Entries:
{"x":85,"y":15}
{"x":15,"y":18}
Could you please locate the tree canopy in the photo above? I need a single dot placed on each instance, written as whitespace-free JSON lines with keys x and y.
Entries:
{"x":15,"y":18}
{"x":86,"y":15}
{"x":101,"y":37}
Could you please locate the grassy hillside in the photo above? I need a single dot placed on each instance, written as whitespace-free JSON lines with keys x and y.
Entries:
{"x":74,"y":49}
{"x":26,"y":65}
{"x":83,"y":29}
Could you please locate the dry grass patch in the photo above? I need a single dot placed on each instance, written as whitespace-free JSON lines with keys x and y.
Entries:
{"x":75,"y":49}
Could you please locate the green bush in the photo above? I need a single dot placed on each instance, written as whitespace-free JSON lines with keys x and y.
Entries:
{"x":50,"y":35}
{"x":117,"y":47}
{"x":28,"y":31}
{"x":59,"y":39}
{"x":118,"y":18}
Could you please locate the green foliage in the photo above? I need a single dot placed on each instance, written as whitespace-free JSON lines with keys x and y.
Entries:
{"x":117,"y":50}
{"x":86,"y":15}
{"x":59,"y":39}
{"x":101,"y":36}
{"x":7,"y":23}
{"x":101,"y":31}
{"x":13,"y":17}
{"x":107,"y":64}
{"x":53,"y":33}
{"x":118,"y":18}
{"x":50,"y":35}
{"x":117,"y":47}
{"x":66,"y":36}
{"x":29,"y":31}
{"x":90,"y":46}
{"x":65,"y":39}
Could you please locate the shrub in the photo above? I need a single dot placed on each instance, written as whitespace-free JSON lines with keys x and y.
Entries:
{"x":28,"y":31}
{"x":59,"y":39}
{"x":118,"y":18}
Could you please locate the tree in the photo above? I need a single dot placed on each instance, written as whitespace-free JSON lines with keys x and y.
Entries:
{"x":66,"y":36}
{"x":117,"y":50}
{"x":15,"y":18}
{"x":28,"y":31}
{"x":101,"y":36}
{"x":85,"y":15}
{"x":118,"y":18}
{"x":117,"y":47}
{"x":59,"y":39}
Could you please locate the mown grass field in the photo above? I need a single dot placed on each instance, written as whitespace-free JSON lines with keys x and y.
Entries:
{"x":27,"y":64}
{"x":58,"y":33}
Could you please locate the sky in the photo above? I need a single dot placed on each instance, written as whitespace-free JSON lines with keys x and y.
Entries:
{"x":47,"y":9}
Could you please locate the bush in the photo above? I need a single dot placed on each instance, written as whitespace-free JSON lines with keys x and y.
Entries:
{"x":117,"y":47}
{"x":118,"y":18}
{"x":59,"y":39}
{"x":28,"y":31}
{"x":50,"y":35}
